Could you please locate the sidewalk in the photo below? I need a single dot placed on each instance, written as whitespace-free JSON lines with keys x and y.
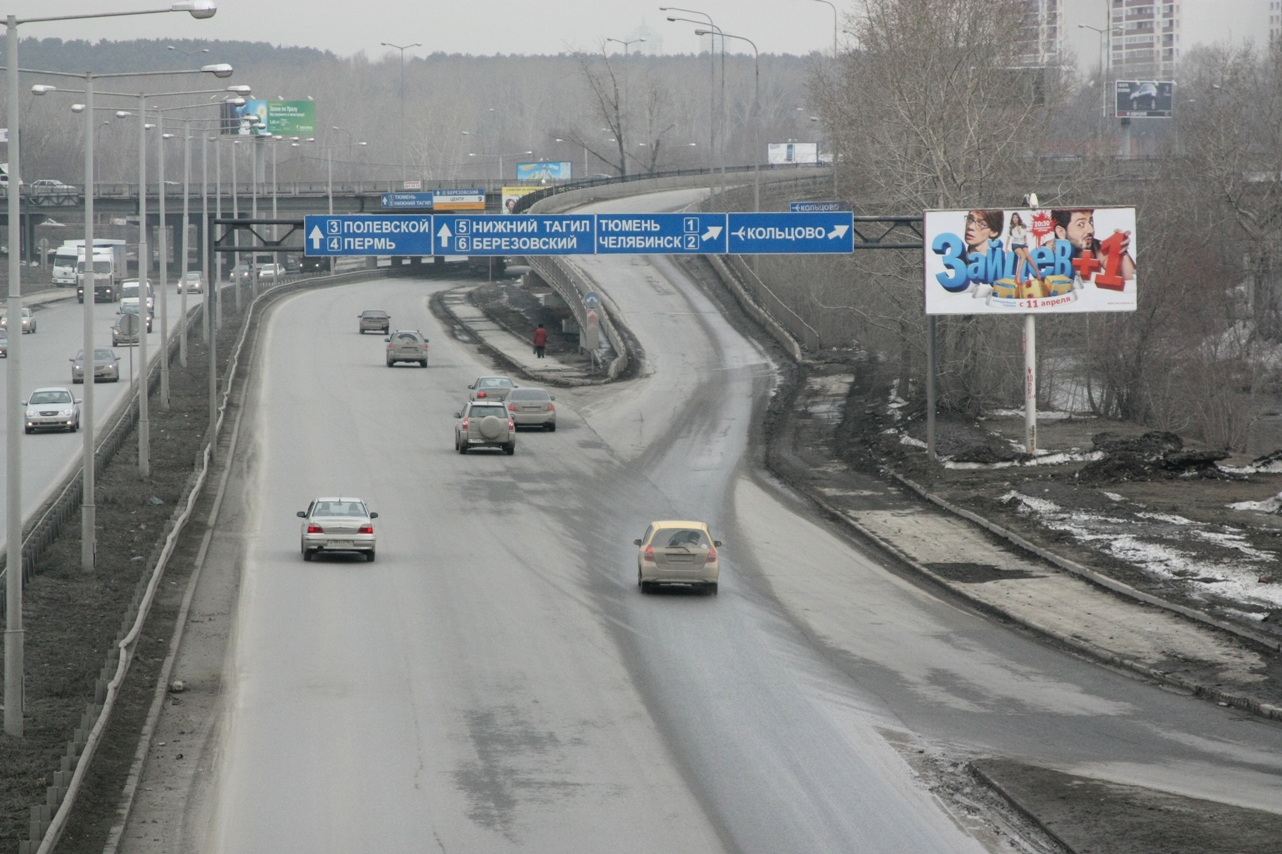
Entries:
{"x":515,"y":351}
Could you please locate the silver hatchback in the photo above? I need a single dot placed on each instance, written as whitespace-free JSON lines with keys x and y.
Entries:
{"x":337,"y":525}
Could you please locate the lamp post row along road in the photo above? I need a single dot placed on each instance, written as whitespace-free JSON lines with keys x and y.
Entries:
{"x":14,"y":702}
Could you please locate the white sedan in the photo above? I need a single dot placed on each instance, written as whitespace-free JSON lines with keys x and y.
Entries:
{"x":52,"y":409}
{"x":337,"y":525}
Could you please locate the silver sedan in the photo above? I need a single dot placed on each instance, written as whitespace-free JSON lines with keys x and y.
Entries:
{"x":28,"y":321}
{"x":106,"y":366}
{"x":52,"y":409}
{"x":337,"y":525}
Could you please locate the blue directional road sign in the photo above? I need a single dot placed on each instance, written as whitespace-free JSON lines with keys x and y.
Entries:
{"x":661,"y":234}
{"x":407,"y":200}
{"x":591,"y":299}
{"x":368,"y":234}
{"x":542,"y":234}
{"x":790,"y":233}
{"x":818,"y":207}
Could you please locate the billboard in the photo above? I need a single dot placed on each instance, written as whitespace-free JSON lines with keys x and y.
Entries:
{"x":792,"y":152}
{"x":1030,"y":261}
{"x":543,"y":171}
{"x":282,"y":118}
{"x":1144,"y":99}
{"x":511,"y":194}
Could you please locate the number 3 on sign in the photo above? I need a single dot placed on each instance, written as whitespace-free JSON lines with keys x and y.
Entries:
{"x":1113,"y":248}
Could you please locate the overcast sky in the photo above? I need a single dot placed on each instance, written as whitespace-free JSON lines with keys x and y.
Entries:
{"x":481,"y":26}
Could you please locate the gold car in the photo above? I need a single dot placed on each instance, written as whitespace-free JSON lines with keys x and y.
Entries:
{"x":677,"y":553}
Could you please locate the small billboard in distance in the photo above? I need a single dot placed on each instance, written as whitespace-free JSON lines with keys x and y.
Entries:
{"x":1152,"y":99}
{"x":543,"y":171}
{"x":512,"y":194}
{"x":792,"y":152}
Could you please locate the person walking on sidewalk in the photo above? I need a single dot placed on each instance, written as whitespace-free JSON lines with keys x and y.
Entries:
{"x":540,"y":341}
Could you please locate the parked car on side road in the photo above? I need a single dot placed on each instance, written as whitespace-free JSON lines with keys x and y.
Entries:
{"x":677,"y":552}
{"x":532,"y":407}
{"x":106,"y":366}
{"x":52,"y":409}
{"x":406,"y":345}
{"x":484,"y":424}
{"x":337,"y":525}
{"x":373,"y":320}
{"x":490,"y":388}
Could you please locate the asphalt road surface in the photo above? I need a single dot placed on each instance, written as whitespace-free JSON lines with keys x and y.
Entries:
{"x":495,"y":681}
{"x":48,"y":457}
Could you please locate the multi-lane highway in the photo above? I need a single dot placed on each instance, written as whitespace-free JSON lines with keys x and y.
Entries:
{"x":495,"y":681}
{"x":46,"y":355}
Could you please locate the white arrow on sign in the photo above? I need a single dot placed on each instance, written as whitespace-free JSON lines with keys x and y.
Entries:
{"x":316,"y":237}
{"x":713,"y":232}
{"x":838,"y":231}
{"x":739,"y":233}
{"x":445,"y":234}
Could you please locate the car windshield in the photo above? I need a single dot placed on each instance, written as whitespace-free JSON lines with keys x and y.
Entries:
{"x":129,"y":308}
{"x":528,"y":394}
{"x":675,"y":538}
{"x":58,"y":396}
{"x":101,"y":355}
{"x":339,"y":508}
{"x":482,"y":411}
{"x":495,"y":382}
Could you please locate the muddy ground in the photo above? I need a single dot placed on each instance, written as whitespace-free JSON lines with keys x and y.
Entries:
{"x":72,"y":618}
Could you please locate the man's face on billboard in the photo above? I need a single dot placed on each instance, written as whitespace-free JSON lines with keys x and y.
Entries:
{"x":1080,"y":231}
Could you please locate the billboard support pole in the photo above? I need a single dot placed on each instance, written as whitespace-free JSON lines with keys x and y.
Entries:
{"x":1030,"y":384}
{"x":930,"y":387}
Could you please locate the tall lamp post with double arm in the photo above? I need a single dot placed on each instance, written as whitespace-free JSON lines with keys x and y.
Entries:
{"x":13,"y":635}
{"x":402,"y":49}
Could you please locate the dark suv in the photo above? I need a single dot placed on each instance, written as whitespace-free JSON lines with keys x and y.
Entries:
{"x":406,"y":345}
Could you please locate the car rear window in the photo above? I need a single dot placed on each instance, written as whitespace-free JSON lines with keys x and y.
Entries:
{"x":495,"y":382}
{"x":375,"y":315}
{"x":482,"y":411}
{"x":671,"y":538}
{"x":529,"y":394}
{"x":339,"y":508}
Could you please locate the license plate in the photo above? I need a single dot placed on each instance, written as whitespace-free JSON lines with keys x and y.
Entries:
{"x":339,"y":544}
{"x":680,"y":558}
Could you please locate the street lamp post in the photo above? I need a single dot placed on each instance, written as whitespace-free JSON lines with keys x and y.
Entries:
{"x":623,"y":117}
{"x":712,"y":93}
{"x":402,"y":49}
{"x":756,"y":101}
{"x":834,"y":25}
{"x":1103,"y":66}
{"x":14,"y":702}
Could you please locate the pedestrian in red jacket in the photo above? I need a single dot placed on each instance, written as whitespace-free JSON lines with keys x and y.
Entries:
{"x":540,"y":340}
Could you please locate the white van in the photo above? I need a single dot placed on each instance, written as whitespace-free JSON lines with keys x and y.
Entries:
{"x":64,"y":266}
{"x":129,"y":290}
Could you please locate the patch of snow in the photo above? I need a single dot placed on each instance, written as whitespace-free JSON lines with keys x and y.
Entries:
{"x":1042,"y":414}
{"x":1113,"y":496}
{"x":909,"y":440}
{"x":1268,"y":505}
{"x":1235,"y":577}
{"x":1050,"y":459}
